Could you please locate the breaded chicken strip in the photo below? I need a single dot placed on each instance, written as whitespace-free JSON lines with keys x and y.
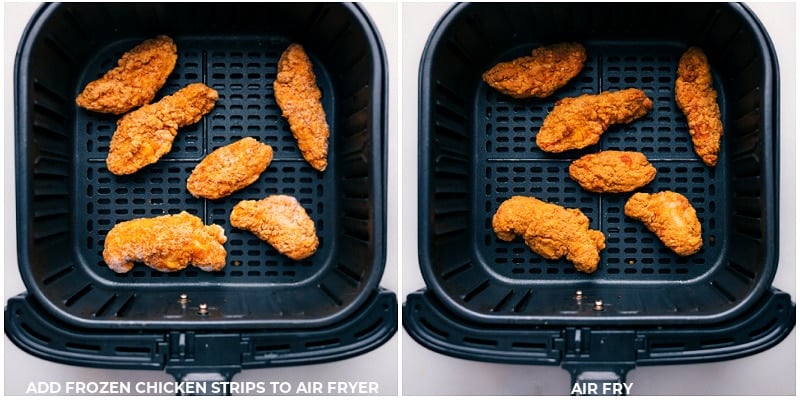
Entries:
{"x":298,"y":97}
{"x":280,"y":221}
{"x":546,"y":70}
{"x":513,"y":216}
{"x":140,"y":73}
{"x":229,"y":168}
{"x":166,"y":243}
{"x":697,"y":99}
{"x":550,"y":230}
{"x":612,"y":171}
{"x":671,"y":217}
{"x":578,"y":122}
{"x":146,"y":134}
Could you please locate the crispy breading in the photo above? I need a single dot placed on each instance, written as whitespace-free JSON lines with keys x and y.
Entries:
{"x":281,"y":221}
{"x":612,"y":171}
{"x":229,"y":168}
{"x":578,"y":122}
{"x":671,"y":217}
{"x":513,"y":216}
{"x":166,"y":243}
{"x":143,"y":136}
{"x":697,"y":99}
{"x":546,"y":70}
{"x":298,"y":97}
{"x":139,"y":74}
{"x":550,"y":230}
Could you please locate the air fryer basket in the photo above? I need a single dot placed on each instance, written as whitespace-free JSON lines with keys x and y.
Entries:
{"x":500,"y":301}
{"x":481,"y":150}
{"x":68,"y":200}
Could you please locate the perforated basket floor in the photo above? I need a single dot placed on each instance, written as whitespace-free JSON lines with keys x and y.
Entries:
{"x":242,"y":72}
{"x":510,"y":164}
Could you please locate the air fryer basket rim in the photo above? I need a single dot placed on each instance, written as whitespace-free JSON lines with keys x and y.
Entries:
{"x":377,"y":182}
{"x":426,"y":162}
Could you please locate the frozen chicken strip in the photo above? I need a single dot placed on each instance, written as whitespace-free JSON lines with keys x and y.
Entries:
{"x":134,"y":82}
{"x":166,"y":243}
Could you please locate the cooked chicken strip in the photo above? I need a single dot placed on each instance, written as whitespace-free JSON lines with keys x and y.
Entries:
{"x":143,"y":136}
{"x":281,"y":221}
{"x":140,"y":73}
{"x":229,"y":168}
{"x":513,"y":216}
{"x":550,"y":230}
{"x":671,"y":217}
{"x":546,"y":70}
{"x":578,"y":122}
{"x":612,"y":171}
{"x":697,"y":99}
{"x":166,"y":243}
{"x":298,"y":97}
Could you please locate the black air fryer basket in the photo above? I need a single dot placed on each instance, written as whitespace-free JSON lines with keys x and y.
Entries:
{"x":498,"y":301}
{"x":263,"y":309}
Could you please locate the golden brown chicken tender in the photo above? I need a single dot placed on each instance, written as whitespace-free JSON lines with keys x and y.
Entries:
{"x":546,"y":70}
{"x":612,"y":171}
{"x":550,"y":230}
{"x":513,"y":216}
{"x":140,"y":73}
{"x":229,"y":168}
{"x":578,"y":122}
{"x":671,"y":217}
{"x":166,"y":243}
{"x":143,"y":136}
{"x":298,"y":97}
{"x":697,"y":99}
{"x":281,"y":221}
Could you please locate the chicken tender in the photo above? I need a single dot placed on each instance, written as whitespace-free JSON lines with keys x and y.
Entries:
{"x":671,"y":217}
{"x":298,"y":97}
{"x":546,"y":70}
{"x":146,"y":134}
{"x":280,"y":221}
{"x":698,"y":100}
{"x":578,"y":122}
{"x":229,"y":168}
{"x":513,"y":216}
{"x":550,"y":230}
{"x":166,"y":243}
{"x":140,"y":73}
{"x":612,"y":171}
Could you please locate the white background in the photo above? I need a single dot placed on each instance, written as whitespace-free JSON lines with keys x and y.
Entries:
{"x":424,"y":372}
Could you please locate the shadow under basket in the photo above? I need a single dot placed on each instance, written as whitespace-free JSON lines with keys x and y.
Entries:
{"x":478,"y":148}
{"x":67,"y":200}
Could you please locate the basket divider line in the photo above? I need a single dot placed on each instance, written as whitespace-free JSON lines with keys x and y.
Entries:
{"x":204,"y":137}
{"x":599,"y":82}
